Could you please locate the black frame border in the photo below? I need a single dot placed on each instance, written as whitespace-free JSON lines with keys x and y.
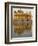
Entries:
{"x":7,"y":11}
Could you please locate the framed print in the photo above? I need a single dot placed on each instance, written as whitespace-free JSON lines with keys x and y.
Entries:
{"x":20,"y":22}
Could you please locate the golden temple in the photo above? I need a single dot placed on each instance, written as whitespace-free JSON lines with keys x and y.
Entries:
{"x":22,"y":21}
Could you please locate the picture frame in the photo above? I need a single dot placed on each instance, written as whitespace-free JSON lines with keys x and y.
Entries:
{"x":18,"y":29}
